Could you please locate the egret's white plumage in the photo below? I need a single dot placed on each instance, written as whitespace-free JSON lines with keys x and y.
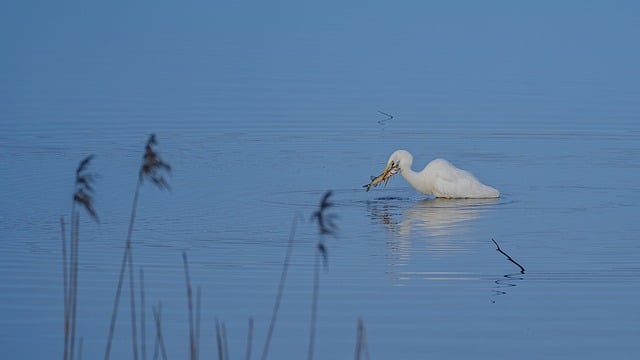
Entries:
{"x":439,"y":178}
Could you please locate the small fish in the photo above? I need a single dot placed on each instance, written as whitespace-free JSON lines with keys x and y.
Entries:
{"x":391,"y":170}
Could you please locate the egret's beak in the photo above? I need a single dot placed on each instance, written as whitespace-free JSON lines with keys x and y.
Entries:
{"x":389,"y":171}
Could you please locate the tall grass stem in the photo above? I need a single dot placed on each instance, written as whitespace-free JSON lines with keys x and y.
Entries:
{"x":123,"y":264}
{"x":283,"y":279}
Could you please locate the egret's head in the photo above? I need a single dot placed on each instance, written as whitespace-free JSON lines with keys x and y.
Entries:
{"x":393,"y":165}
{"x":400,"y":159}
{"x":392,"y":168}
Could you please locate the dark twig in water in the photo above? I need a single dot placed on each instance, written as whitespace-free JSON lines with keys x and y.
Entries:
{"x":384,"y":121}
{"x":508,"y":257}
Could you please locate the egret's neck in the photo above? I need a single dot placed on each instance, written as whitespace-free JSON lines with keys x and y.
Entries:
{"x":415,"y":179}
{"x":412,"y":177}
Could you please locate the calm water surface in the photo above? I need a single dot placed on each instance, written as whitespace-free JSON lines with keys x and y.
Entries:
{"x":257,"y":133}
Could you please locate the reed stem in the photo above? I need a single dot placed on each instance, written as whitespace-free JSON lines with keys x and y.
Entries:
{"x":143,"y":310}
{"x":192,"y":341}
{"x":134,"y":328}
{"x":283,"y":279}
{"x":314,"y":306}
{"x":159,"y":346}
{"x":123,"y":264}
{"x":249,"y":339}
{"x":73,"y":285}
{"x":65,"y":281}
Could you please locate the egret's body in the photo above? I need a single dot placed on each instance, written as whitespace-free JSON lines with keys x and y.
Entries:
{"x":439,"y":178}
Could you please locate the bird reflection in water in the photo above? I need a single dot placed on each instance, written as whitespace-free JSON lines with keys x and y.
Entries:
{"x":437,"y":219}
{"x":439,"y":224}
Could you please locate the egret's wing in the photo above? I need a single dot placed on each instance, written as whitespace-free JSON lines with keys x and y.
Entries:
{"x":451,"y":182}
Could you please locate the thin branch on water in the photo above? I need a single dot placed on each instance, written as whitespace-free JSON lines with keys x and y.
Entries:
{"x":283,"y":279}
{"x":508,"y":257}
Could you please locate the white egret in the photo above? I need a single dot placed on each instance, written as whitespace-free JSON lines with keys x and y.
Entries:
{"x":439,"y":178}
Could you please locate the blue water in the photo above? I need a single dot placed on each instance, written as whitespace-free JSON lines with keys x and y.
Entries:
{"x":261,"y":108}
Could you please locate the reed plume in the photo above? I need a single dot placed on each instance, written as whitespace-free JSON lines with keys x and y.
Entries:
{"x":326,"y":226}
{"x":325,"y":221}
{"x":153,"y":168}
{"x":82,"y":198}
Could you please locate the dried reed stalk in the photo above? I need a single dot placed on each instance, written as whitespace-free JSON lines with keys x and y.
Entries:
{"x":193,"y":353}
{"x":249,"y":339}
{"x":82,"y":197}
{"x":283,"y":280}
{"x":143,"y":308}
{"x":326,"y":227}
{"x":152,"y":168}
{"x":361,"y":341}
{"x":159,"y":348}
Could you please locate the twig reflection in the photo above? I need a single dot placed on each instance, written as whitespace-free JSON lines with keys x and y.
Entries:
{"x":505,"y":282}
